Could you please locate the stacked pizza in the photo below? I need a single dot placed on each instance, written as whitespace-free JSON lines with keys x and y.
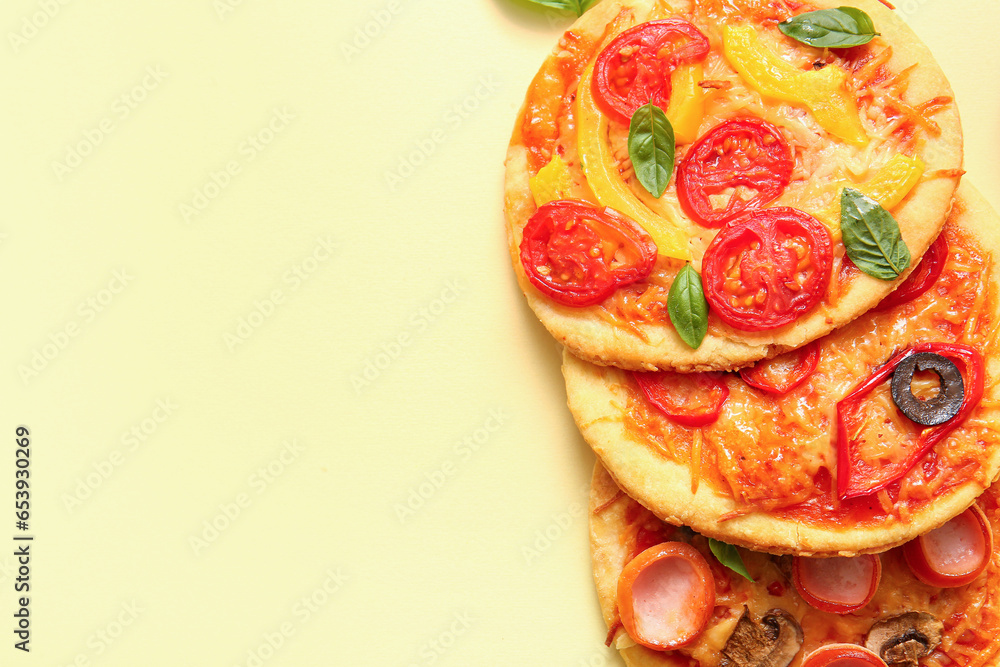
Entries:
{"x":743,"y":220}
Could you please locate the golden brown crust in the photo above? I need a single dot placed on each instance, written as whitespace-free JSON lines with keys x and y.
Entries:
{"x":609,"y":554}
{"x":598,"y":398}
{"x":653,"y":345}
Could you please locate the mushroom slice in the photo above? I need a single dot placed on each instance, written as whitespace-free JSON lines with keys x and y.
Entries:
{"x":902,"y":640}
{"x":771,"y":642}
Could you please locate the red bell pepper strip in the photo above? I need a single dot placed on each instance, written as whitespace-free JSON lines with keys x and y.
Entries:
{"x":859,"y":478}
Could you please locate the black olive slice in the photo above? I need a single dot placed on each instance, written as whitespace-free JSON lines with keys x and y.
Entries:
{"x":936,"y":410}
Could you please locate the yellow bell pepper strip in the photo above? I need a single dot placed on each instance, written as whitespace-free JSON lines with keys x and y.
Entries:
{"x":687,"y":102}
{"x":822,"y":91}
{"x":553,"y":181}
{"x":888,"y":186}
{"x":607,"y":184}
{"x":893,"y":181}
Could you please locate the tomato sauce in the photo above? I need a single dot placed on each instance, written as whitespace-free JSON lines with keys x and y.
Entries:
{"x":548,"y":103}
{"x":777,"y":453}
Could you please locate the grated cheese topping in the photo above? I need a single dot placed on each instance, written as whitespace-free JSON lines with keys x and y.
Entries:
{"x":778,"y":453}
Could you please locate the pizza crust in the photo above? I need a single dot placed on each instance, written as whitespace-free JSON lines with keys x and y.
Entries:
{"x":609,"y":555}
{"x":651,"y":346}
{"x":596,"y":397}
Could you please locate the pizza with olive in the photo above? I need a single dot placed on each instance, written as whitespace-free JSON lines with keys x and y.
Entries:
{"x":699,"y":185}
{"x":671,"y":596}
{"x":871,"y":435}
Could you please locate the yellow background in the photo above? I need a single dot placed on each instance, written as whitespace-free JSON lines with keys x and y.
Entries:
{"x":310,"y":353}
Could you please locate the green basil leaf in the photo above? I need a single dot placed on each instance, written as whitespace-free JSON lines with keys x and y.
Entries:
{"x":730,"y":557}
{"x":831,"y":28}
{"x":651,"y":146}
{"x":578,"y":6}
{"x":687,"y":306}
{"x":871,"y":236}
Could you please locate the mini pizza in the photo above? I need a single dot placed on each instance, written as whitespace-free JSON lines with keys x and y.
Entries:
{"x":699,"y":186}
{"x":671,"y":596}
{"x":861,"y":441}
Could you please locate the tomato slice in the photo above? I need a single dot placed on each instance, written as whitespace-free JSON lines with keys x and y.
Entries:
{"x":784,"y":372}
{"x":666,"y":596}
{"x":767,"y":267}
{"x":635,"y":67}
{"x":857,"y":476}
{"x":921,"y":278}
{"x":745,"y":163}
{"x":954,"y":554}
{"x":837,"y":585}
{"x":690,"y":399}
{"x":578,"y":255}
{"x":843,"y":655}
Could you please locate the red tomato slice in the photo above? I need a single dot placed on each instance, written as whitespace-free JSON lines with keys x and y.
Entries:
{"x":837,"y":585}
{"x":858,"y":477}
{"x":954,"y":554}
{"x":921,"y":278}
{"x":578,"y":255}
{"x":666,"y":596}
{"x":767,"y":267}
{"x":747,"y":163}
{"x":690,"y":399}
{"x":784,"y":372}
{"x":635,"y":67}
{"x":843,"y":655}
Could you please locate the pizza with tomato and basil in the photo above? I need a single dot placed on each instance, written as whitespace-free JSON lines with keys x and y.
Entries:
{"x":699,"y":185}
{"x":673,"y":597}
{"x":857,"y":442}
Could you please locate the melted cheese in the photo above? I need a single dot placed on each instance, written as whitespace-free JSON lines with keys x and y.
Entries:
{"x":554,"y":125}
{"x":824,"y":165}
{"x":772,"y":453}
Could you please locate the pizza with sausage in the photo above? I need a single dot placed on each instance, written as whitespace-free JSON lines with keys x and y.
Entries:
{"x":672,"y":597}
